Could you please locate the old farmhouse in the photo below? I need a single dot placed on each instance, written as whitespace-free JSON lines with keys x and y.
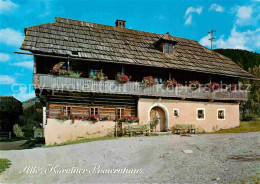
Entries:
{"x":89,"y":75}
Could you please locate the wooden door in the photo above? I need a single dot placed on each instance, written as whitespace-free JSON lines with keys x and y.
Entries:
{"x":158,"y":113}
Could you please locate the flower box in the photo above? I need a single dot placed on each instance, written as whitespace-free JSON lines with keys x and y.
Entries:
{"x":99,"y":76}
{"x":149,"y":81}
{"x":94,"y":118}
{"x":172,"y":83}
{"x":74,"y":74}
{"x":122,"y":78}
{"x":213,"y":86}
{"x":194,"y":84}
{"x":63,"y":117}
{"x":127,"y":119}
{"x":232,"y":87}
{"x":62,"y":72}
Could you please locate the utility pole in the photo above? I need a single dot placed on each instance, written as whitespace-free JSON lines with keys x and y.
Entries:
{"x":211,"y":37}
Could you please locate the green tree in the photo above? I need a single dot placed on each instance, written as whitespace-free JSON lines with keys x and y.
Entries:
{"x":18,"y":131}
{"x":30,"y":122}
{"x":251,"y":109}
{"x":31,"y":118}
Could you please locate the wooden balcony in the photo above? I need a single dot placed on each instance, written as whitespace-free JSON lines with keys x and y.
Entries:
{"x":72,"y":84}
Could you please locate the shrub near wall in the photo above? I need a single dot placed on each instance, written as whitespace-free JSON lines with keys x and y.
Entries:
{"x":18,"y":131}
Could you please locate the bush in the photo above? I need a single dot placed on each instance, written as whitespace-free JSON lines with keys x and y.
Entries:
{"x":251,"y":117}
{"x":154,"y":123}
{"x":32,"y":143}
{"x":30,"y":121}
{"x":18,"y":131}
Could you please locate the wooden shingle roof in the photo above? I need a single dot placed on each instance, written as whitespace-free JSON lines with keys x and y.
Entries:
{"x":121,"y":45}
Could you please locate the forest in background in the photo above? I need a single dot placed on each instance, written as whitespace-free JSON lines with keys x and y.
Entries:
{"x":243,"y":58}
{"x":250,"y":61}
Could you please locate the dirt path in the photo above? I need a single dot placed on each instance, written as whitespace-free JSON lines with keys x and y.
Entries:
{"x":220,"y":158}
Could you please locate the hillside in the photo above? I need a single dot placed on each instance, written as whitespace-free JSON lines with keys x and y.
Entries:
{"x":243,"y":58}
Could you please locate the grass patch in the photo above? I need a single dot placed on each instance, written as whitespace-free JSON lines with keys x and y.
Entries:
{"x":139,"y":135}
{"x":4,"y":164}
{"x":95,"y":139}
{"x":12,"y":140}
{"x":153,"y":134}
{"x":252,"y":180}
{"x":245,"y":126}
{"x":83,"y":141}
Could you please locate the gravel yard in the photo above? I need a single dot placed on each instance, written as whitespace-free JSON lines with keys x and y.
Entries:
{"x":215,"y":158}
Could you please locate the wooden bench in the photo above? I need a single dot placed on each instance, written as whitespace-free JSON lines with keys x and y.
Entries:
{"x":137,"y":128}
{"x":178,"y":128}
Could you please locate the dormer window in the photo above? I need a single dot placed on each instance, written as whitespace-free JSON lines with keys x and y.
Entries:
{"x":166,"y":43}
{"x":167,"y":49}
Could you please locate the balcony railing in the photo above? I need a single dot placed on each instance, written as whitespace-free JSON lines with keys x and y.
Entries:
{"x":72,"y":84}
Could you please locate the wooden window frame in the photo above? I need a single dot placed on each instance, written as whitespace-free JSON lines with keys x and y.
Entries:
{"x":224,"y":110}
{"x":170,"y":47}
{"x":66,"y":110}
{"x":159,"y":80}
{"x":94,"y":107}
{"x":120,"y":108}
{"x":204,"y":110}
{"x":177,"y":111}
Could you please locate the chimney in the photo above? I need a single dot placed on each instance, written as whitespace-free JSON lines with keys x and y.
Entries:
{"x":120,"y":23}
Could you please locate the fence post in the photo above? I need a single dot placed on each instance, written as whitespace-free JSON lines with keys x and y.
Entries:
{"x":10,"y":135}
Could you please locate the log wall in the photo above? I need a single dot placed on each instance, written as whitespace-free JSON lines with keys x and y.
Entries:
{"x":83,"y":111}
{"x":80,"y":104}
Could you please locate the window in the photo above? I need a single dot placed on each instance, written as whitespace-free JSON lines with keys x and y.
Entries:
{"x":74,"y":53}
{"x":159,"y":80}
{"x":221,"y":114}
{"x":168,"y":48}
{"x":93,"y":72}
{"x":94,"y":110}
{"x":66,"y":110}
{"x":200,"y":114}
{"x":175,"y":113}
{"x":120,"y":112}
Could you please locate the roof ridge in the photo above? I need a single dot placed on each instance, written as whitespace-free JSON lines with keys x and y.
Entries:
{"x":159,"y":34}
{"x":11,"y":97}
{"x":105,"y":25}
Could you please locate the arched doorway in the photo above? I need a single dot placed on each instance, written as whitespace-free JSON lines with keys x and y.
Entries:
{"x":157,"y":113}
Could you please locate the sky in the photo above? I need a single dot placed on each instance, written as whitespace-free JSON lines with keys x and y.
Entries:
{"x":237,"y":25}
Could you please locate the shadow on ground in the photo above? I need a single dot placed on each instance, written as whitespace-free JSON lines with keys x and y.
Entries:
{"x":245,"y":158}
